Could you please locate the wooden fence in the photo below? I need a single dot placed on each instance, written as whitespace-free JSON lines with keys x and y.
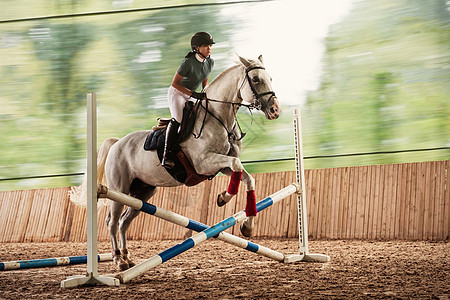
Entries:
{"x":383,"y":202}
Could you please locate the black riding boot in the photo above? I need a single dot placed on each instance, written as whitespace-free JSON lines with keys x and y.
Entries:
{"x":170,"y":143}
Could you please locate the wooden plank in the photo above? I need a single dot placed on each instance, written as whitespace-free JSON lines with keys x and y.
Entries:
{"x":206,"y":202}
{"x":414,"y":212}
{"x":399,"y":210}
{"x":421,"y":173}
{"x":293,"y":210}
{"x":390,"y":206}
{"x":427,"y":222}
{"x":55,"y":219}
{"x":381,"y":203}
{"x":293,"y":224}
{"x":4,"y":196}
{"x":360,"y":202}
{"x":391,"y":217}
{"x":283,"y":207}
{"x":371,"y":204}
{"x":39,"y":215}
{"x":404,"y":200}
{"x":431,"y":177}
{"x":309,"y":206}
{"x":67,"y":230}
{"x":8,"y":213}
{"x":11,"y":210}
{"x":446,"y":231}
{"x":441,"y":207}
{"x":325,"y":203}
{"x":273,"y":214}
{"x":334,"y":203}
{"x":368,"y":209}
{"x":22,"y":217}
{"x":384,"y":205}
{"x":343,"y":202}
{"x":436,"y":198}
{"x":353,"y":197}
{"x":317,"y":194}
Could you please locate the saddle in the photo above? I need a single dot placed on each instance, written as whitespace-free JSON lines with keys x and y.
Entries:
{"x":183,"y":171}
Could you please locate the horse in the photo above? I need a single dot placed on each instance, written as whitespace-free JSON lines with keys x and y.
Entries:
{"x":213,"y":147}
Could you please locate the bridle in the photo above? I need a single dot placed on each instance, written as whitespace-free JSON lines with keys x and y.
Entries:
{"x":257,"y":104}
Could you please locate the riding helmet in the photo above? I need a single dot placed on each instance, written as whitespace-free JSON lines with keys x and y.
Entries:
{"x":201,"y":38}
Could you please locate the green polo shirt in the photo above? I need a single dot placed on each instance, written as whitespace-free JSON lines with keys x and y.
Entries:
{"x":194,"y":72}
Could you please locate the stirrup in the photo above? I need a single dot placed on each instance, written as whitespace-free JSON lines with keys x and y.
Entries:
{"x":168,"y":163}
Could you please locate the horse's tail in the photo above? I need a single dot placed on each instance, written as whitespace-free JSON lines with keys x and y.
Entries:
{"x":78,"y":194}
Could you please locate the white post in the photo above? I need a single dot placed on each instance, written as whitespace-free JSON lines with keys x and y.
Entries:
{"x":91,"y":173}
{"x":301,"y":198}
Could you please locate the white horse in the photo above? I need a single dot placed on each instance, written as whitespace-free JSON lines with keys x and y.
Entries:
{"x":130,"y":169}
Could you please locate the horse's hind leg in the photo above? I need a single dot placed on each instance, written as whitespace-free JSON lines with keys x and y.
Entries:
{"x":112,"y":221}
{"x":142,"y":192}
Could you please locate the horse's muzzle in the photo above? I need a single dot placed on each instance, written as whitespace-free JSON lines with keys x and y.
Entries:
{"x":272,"y":110}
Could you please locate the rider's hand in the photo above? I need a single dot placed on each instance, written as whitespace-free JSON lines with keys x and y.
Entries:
{"x":199,"y":96}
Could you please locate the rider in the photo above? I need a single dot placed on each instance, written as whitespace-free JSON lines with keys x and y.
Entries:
{"x":194,"y":70}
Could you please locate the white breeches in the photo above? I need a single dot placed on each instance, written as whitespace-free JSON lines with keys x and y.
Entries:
{"x":177,"y":101}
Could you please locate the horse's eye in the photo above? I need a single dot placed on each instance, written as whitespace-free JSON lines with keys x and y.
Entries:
{"x":255,"y":79}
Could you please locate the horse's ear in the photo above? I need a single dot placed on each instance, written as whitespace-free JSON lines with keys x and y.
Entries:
{"x":261,"y":59}
{"x":244,"y":61}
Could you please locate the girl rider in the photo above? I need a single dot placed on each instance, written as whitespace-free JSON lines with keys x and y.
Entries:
{"x":194,"y":70}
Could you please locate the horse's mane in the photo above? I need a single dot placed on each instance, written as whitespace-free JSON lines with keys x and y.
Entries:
{"x":225,"y":72}
{"x":232,"y":68}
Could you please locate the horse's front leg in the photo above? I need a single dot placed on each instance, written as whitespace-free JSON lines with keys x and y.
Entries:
{"x":250,"y":209}
{"x":233,"y":187}
{"x":232,"y":166}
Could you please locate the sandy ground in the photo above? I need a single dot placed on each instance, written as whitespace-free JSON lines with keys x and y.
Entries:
{"x":216,"y":270}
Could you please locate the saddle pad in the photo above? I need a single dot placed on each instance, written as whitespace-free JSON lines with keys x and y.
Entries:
{"x":155,"y":141}
{"x":183,"y":171}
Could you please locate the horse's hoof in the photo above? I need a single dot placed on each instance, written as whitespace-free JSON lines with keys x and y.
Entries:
{"x":245,"y":230}
{"x":123,"y":266}
{"x":221,"y":199}
{"x":131,"y":264}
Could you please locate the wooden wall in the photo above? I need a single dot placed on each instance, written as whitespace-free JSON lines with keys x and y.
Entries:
{"x":383,"y":202}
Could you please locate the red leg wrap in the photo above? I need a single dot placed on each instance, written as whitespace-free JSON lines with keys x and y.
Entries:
{"x":250,"y":209}
{"x":235,"y":180}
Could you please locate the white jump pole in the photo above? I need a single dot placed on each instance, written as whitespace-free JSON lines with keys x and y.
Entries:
{"x":301,"y":198}
{"x":202,"y":236}
{"x":91,"y":276}
{"x":50,"y":262}
{"x":185,"y":222}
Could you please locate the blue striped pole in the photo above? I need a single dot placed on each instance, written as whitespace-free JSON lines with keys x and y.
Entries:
{"x":50,"y":262}
{"x":194,"y":225}
{"x":203,"y":235}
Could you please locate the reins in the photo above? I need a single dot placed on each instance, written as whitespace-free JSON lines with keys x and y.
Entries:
{"x":229,"y":132}
{"x":256,"y":105}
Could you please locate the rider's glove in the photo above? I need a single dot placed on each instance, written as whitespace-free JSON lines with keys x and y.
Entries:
{"x":199,"y":96}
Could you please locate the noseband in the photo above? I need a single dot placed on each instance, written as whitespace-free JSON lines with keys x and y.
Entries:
{"x":257,"y":104}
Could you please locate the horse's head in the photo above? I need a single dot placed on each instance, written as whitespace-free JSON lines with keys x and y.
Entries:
{"x":260,"y":84}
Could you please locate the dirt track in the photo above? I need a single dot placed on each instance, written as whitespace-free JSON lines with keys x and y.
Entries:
{"x":216,"y":270}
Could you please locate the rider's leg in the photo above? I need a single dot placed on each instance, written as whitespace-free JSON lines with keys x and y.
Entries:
{"x":170,"y":143}
{"x":176,"y":104}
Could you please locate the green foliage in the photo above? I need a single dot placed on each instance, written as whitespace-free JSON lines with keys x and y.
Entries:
{"x":385,"y":83}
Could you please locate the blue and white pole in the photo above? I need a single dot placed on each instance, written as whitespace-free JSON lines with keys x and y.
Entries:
{"x":50,"y":262}
{"x":203,"y":235}
{"x":197,"y":226}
